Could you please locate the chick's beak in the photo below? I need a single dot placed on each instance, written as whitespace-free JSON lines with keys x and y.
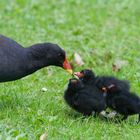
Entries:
{"x":79,"y":74}
{"x":67,"y":66}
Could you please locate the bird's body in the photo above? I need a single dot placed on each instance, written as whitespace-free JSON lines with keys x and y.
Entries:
{"x":17,"y":61}
{"x":85,"y":99}
{"x":12,"y":60}
{"x":124,"y":102}
{"x":118,"y":96}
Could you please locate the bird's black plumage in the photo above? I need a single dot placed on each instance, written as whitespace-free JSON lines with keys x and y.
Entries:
{"x":123,"y":101}
{"x":106,"y":81}
{"x":117,"y":93}
{"x":84,"y":98}
{"x":17,"y":61}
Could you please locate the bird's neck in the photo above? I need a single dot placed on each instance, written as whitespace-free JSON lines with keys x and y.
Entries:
{"x":34,"y":63}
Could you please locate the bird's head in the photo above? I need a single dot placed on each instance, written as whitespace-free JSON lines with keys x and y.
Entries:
{"x":51,"y":54}
{"x":75,"y":84}
{"x":85,"y":75}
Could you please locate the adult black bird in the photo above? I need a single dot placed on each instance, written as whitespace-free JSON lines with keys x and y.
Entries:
{"x":117,"y":93}
{"x":17,"y":61}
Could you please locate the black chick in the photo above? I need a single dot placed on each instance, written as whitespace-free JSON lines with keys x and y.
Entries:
{"x":85,"y":99}
{"x":124,"y":102}
{"x":17,"y":61}
{"x":116,"y":93}
{"x":102,"y":81}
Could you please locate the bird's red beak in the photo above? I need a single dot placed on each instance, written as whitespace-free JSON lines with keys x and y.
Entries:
{"x":67,"y":66}
{"x":79,"y":74}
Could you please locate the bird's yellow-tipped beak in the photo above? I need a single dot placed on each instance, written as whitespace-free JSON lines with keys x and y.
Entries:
{"x":69,"y":71}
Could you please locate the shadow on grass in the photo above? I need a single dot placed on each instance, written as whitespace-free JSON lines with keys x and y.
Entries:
{"x":115,"y":120}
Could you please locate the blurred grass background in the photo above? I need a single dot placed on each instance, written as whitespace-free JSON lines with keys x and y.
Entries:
{"x":101,"y":31}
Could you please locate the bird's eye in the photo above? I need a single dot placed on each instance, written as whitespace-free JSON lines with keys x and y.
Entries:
{"x":60,"y":55}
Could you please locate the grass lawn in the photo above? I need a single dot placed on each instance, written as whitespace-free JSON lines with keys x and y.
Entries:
{"x":101,"y":31}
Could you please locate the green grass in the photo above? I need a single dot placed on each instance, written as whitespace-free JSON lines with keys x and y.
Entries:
{"x":101,"y":31}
